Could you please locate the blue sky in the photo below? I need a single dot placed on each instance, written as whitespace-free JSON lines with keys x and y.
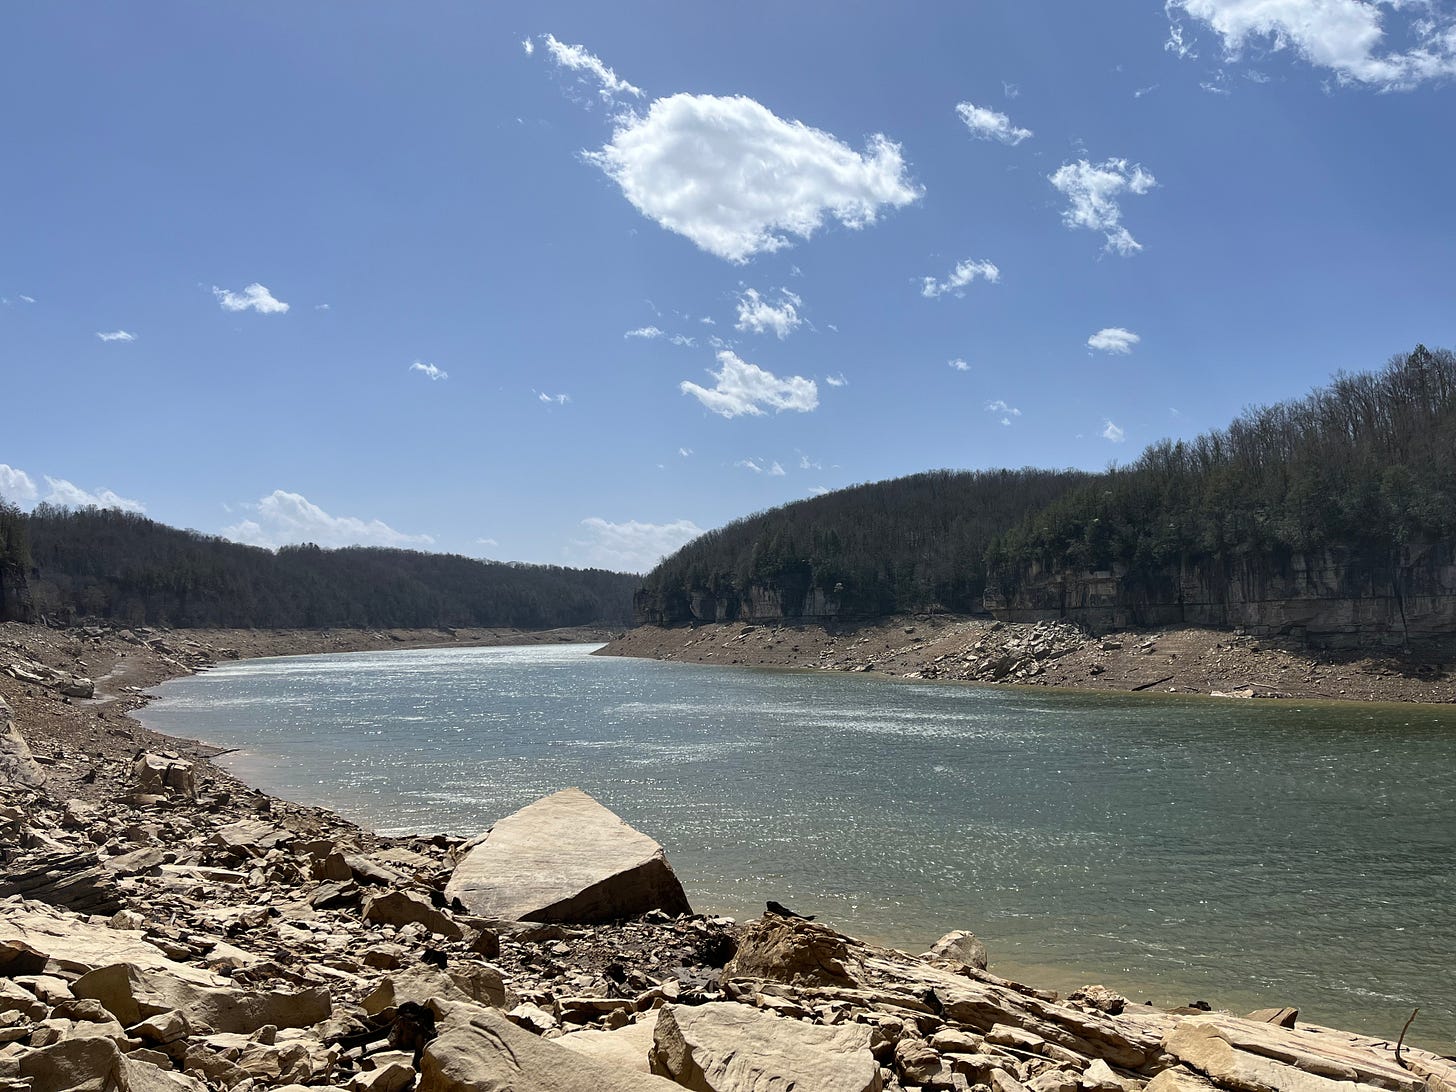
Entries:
{"x":568,"y":283}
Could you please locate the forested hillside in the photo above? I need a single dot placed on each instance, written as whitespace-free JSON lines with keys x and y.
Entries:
{"x":124,"y":567}
{"x":1358,"y":479}
{"x":910,"y":544}
{"x":1366,"y":465}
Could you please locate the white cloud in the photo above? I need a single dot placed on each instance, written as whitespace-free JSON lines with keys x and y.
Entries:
{"x":744,"y":389}
{"x":252,"y":298}
{"x":321,"y":307}
{"x":486,"y":542}
{"x":1010,"y":90}
{"x":284,"y":518}
{"x":632,"y":546}
{"x":429,"y":370}
{"x":708,"y":321}
{"x":684,"y":451}
{"x":806,"y":463}
{"x":528,"y":45}
{"x":553,"y":399}
{"x":749,"y":464}
{"x":26,"y":299}
{"x":773,"y":470}
{"x":1005,"y":412}
{"x":757,"y":315}
{"x":71,"y":495}
{"x":645,"y":332}
{"x":1093,"y":190}
{"x":737,"y":180}
{"x":1344,"y":36}
{"x":16,"y":485}
{"x":577,"y":58}
{"x":1113,"y":433}
{"x":963,"y":274}
{"x":959,"y":365}
{"x":1141,"y":91}
{"x":818,"y":491}
{"x":116,"y":335}
{"x":836,"y":380}
{"x":1113,"y":339}
{"x":987,"y":124}
{"x":682,"y":341}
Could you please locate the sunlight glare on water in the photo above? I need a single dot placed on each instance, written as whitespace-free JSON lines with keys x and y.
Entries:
{"x":1248,"y":853}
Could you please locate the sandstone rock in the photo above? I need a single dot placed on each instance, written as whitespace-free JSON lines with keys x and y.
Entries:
{"x":726,"y":1047}
{"x":95,"y":1064}
{"x":226,"y":1010}
{"x":566,"y":858}
{"x":478,"y":1050}
{"x":627,"y":1047}
{"x":158,"y":775}
{"x":135,"y":862}
{"x":962,"y":947}
{"x":403,"y":907}
{"x":1098,"y":1077}
{"x":1203,"y":1047}
{"x":393,"y":1077}
{"x":421,"y":985}
{"x":791,"y":950}
{"x":917,"y":1061}
{"x":1180,"y":1078}
{"x":17,"y":765}
{"x":77,"y":686}
{"x":73,"y":880}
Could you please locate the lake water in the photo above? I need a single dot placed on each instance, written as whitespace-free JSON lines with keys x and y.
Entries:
{"x":1247,"y":853}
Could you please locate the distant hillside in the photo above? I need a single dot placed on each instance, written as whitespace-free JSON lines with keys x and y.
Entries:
{"x":1331,"y":517}
{"x":914,"y":543}
{"x":124,"y":567}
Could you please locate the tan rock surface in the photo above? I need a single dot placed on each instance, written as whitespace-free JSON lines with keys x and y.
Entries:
{"x":566,"y":858}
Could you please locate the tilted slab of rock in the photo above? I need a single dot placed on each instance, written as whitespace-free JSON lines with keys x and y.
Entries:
{"x":1202,"y":1047}
{"x":478,"y":1050}
{"x":566,"y":858}
{"x":725,"y":1047}
{"x":627,"y":1047}
{"x":95,"y":1064}
{"x":79,"y":946}
{"x":17,"y":765}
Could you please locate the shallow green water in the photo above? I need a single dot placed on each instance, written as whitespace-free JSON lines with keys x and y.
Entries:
{"x":1246,"y":853}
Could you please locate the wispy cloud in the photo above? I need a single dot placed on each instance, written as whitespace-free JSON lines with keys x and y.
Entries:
{"x":252,"y":298}
{"x":116,"y":335}
{"x":1093,"y":190}
{"x":759,"y":466}
{"x":631,"y":546}
{"x":528,"y":46}
{"x":429,"y":370}
{"x":685,"y":451}
{"x":757,"y":315}
{"x":70,"y":495}
{"x":963,"y":274}
{"x":958,"y":365}
{"x":645,"y":332}
{"x":579,"y":59}
{"x":553,"y":399}
{"x":1003,"y":411}
{"x":1343,"y":36}
{"x":1113,"y":339}
{"x":1113,"y":434}
{"x":738,"y":180}
{"x":988,"y":124}
{"x":743,"y":389}
{"x":836,"y":380}
{"x":283,"y":518}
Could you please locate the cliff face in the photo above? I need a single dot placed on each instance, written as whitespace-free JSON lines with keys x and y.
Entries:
{"x":760,"y":603}
{"x":1331,"y":598}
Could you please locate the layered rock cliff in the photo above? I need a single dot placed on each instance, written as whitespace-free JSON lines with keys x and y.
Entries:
{"x":1331,"y":598}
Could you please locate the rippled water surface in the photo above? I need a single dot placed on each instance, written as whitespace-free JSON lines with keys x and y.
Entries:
{"x":1248,"y":853}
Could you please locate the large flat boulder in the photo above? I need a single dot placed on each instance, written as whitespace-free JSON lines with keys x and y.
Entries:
{"x":478,"y":1050}
{"x":568,"y":859}
{"x":727,"y":1047}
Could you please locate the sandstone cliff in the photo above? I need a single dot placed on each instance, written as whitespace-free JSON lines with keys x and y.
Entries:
{"x":1332,"y":598}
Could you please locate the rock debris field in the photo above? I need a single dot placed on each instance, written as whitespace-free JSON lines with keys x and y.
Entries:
{"x":164,"y":927}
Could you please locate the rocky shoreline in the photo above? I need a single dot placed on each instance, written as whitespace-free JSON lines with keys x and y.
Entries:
{"x":1058,"y":654}
{"x":165,"y":927}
